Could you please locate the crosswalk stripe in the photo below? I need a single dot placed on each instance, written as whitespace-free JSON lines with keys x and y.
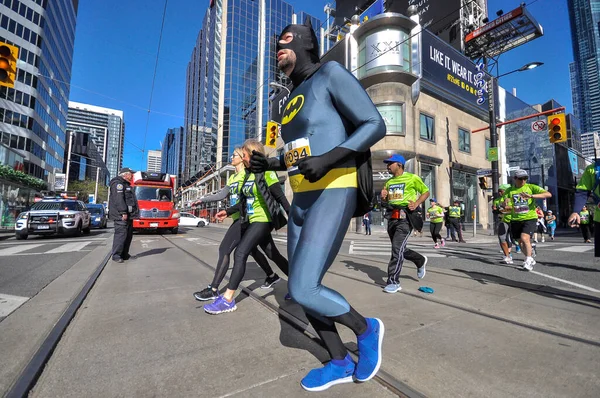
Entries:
{"x":10,"y":303}
{"x":575,"y":249}
{"x":17,"y":249}
{"x":51,"y":242}
{"x":69,"y":247}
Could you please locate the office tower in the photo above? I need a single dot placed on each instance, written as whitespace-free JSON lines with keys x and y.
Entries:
{"x":107,"y":127}
{"x":154,"y":161}
{"x":227,"y":84}
{"x":584,"y":17}
{"x":173,"y":153}
{"x":33,"y":114}
{"x":587,"y":145}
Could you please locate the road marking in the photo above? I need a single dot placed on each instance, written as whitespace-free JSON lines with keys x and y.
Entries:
{"x":10,"y":303}
{"x":575,"y":249}
{"x":17,"y":249}
{"x":69,"y":247}
{"x":591,"y":289}
{"x":51,"y":242}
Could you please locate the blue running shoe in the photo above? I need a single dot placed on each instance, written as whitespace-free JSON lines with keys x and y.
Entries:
{"x":392,"y":288}
{"x":337,"y":371}
{"x":220,"y":306}
{"x":369,"y":350}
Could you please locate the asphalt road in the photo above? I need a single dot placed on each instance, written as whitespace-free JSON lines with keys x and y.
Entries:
{"x":26,"y":267}
{"x":565,"y":262}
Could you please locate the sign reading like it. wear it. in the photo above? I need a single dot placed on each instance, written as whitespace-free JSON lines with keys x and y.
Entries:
{"x":447,"y":69}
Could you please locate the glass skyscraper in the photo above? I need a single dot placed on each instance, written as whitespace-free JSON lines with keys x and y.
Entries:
{"x":173,"y":153}
{"x":107,"y":128}
{"x":584,"y":16}
{"x":33,"y":114}
{"x":228,"y":78}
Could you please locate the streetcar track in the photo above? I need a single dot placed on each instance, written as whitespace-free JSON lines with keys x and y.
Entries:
{"x":383,"y":378}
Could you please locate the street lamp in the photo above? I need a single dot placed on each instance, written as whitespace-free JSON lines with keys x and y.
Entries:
{"x":494,"y":131}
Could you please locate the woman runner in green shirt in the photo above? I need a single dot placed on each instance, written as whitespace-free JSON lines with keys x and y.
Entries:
{"x":436,"y":219}
{"x":260,"y":211}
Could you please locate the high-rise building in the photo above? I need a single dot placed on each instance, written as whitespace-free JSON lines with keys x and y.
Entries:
{"x":584,"y":16}
{"x":228,"y":78}
{"x":173,"y":153}
{"x":107,"y":127}
{"x":33,"y":114}
{"x":154,"y":161}
{"x":587,"y":145}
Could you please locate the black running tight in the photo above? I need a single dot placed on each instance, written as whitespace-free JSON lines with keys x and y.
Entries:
{"x":230,"y":241}
{"x":255,"y":234}
{"x":435,"y":229}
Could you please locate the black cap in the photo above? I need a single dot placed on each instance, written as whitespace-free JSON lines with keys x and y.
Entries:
{"x":126,"y":170}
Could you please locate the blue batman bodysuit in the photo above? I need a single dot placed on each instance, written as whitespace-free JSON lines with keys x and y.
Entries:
{"x":328,"y":110}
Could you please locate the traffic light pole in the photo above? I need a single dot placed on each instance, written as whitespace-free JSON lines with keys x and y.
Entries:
{"x":493,"y":143}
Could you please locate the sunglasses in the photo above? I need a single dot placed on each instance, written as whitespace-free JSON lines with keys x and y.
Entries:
{"x":521,"y":178}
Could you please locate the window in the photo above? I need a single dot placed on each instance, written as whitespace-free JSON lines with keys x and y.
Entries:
{"x":393,"y":116}
{"x":428,"y":177}
{"x":464,"y":140}
{"x":488,"y":144}
{"x":427,"y":127}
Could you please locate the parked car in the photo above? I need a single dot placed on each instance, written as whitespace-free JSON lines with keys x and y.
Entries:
{"x":190,"y":220}
{"x":54,"y":216}
{"x":98,"y":214}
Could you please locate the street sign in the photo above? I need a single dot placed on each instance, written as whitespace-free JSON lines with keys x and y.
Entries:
{"x":538,"y":126}
{"x":492,"y":154}
{"x":484,"y":172}
{"x":513,"y":168}
{"x":59,"y":181}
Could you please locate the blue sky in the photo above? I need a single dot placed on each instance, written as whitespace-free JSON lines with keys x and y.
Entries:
{"x":116,"y":44}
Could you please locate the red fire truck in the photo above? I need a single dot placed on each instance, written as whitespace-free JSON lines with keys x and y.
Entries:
{"x":155,"y":193}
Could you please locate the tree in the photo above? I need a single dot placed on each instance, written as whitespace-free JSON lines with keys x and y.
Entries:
{"x":87,"y":187}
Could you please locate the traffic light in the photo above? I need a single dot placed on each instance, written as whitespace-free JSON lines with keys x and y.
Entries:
{"x":557,"y":128}
{"x":272,"y":132}
{"x":483,"y":183}
{"x":8,"y":64}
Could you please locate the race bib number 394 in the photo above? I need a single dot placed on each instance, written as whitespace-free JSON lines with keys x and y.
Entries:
{"x":295,"y":151}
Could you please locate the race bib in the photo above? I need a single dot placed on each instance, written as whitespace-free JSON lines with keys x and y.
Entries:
{"x":396,"y":191}
{"x":295,"y":151}
{"x":233,"y":199}
{"x":250,"y":206}
{"x":520,"y":205}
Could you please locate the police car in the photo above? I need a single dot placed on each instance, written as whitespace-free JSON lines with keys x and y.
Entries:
{"x":53,"y":216}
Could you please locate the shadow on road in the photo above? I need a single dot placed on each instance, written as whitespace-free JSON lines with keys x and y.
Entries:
{"x":152,"y":252}
{"x":569,"y":266}
{"x":542,"y":290}
{"x":376,"y":274}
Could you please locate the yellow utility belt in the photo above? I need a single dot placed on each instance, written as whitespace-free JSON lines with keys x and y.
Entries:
{"x":335,"y":178}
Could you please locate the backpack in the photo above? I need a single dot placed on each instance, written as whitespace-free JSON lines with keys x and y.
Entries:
{"x":364,"y":175}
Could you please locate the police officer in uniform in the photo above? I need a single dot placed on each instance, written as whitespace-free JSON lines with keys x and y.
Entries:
{"x":455,"y":214}
{"x":123,"y":208}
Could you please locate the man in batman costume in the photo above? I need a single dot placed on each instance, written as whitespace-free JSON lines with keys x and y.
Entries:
{"x":328,"y":126}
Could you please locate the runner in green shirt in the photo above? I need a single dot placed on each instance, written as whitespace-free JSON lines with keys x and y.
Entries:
{"x":436,"y":220}
{"x":520,"y":199}
{"x":504,"y":224}
{"x":234,"y":233}
{"x":402,"y":194}
{"x":584,"y":216}
{"x":587,"y":185}
{"x":261,"y":198}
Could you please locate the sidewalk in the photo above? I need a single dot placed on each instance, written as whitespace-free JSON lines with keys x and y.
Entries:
{"x":141,"y":333}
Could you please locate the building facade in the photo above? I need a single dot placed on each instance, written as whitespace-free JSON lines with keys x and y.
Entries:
{"x":173,"y":153}
{"x":86,"y":160}
{"x":154,"y":161}
{"x":107,"y":128}
{"x":584,"y":17}
{"x":227,"y":90}
{"x":33,"y":114}
{"x":587,"y":145}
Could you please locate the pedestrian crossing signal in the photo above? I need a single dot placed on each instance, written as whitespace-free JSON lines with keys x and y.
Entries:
{"x":483,"y":183}
{"x":557,"y":128}
{"x":272,"y":133}
{"x":8,"y":64}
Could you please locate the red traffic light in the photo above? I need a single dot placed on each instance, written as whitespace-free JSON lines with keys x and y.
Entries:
{"x":555,"y":124}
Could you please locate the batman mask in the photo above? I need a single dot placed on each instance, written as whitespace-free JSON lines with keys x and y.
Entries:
{"x":305,"y":46}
